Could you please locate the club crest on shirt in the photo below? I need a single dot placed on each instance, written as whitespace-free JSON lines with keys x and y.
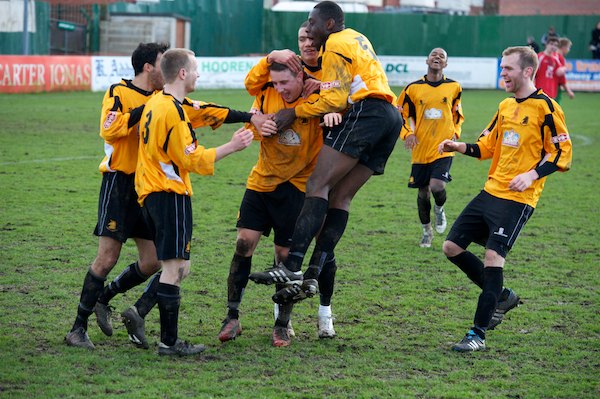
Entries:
{"x":110,"y":118}
{"x":433,"y":113}
{"x":289,"y":137}
{"x":190,"y":148}
{"x":560,"y":138}
{"x":510,"y":138}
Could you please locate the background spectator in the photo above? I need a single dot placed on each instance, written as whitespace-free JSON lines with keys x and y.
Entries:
{"x":595,"y":42}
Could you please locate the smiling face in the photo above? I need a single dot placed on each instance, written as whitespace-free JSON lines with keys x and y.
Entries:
{"x":288,"y":84}
{"x":437,"y":60}
{"x":308,"y":51}
{"x":514,"y":77}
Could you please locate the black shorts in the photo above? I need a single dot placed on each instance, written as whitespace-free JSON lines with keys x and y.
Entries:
{"x":490,"y":221}
{"x":277,"y":210}
{"x":170,"y":218}
{"x":119,"y":214}
{"x":421,"y":173}
{"x":368,"y":131}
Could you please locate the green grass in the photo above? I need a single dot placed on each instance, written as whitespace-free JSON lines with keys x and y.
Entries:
{"x":398,"y":307}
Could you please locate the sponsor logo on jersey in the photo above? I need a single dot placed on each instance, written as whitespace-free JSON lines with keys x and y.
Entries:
{"x":433,"y":113}
{"x":561,"y":138}
{"x":510,"y":138}
{"x":111,"y":225}
{"x":289,"y":137}
{"x":445,"y":100}
{"x":335,"y":84}
{"x":525,"y":121}
{"x":110,"y":118}
{"x":190,"y":148}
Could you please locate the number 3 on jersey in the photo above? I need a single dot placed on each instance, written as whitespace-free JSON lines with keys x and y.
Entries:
{"x":146,"y":132}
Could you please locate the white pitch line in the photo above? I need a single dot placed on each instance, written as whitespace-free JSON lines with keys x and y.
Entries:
{"x":585,"y":139}
{"x":47,"y":160}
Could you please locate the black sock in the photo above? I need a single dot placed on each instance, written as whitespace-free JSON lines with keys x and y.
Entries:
{"x":285,"y":314}
{"x":91,"y":290}
{"x":471,"y":265}
{"x":327,"y":280}
{"x":148,"y":298}
{"x":488,"y":299}
{"x":130,"y":277}
{"x":308,"y":224}
{"x":424,"y":208}
{"x":239,"y":270}
{"x":168,"y":305}
{"x":439,"y":197}
{"x":330,"y":235}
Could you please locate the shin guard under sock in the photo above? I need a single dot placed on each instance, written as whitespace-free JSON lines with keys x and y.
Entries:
{"x":169,"y":300}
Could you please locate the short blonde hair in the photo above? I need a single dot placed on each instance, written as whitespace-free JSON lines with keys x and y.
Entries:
{"x":173,"y":60}
{"x":564,"y":42}
{"x":527,"y":57}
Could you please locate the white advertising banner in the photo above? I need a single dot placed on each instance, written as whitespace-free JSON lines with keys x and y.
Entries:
{"x":230,"y":72}
{"x":471,"y":73}
{"x":108,"y":70}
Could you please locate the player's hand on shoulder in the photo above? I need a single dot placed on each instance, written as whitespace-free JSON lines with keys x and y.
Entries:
{"x":311,"y":85}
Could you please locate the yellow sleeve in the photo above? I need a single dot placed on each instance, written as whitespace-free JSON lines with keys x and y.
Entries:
{"x":457,"y":114}
{"x":335,"y":88}
{"x":202,"y":113}
{"x":407,"y":110}
{"x":185,"y":151}
{"x":488,"y":139}
{"x":113,"y":121}
{"x":557,"y":143}
{"x":257,"y":77}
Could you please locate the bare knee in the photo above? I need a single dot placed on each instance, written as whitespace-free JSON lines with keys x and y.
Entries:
{"x":451,"y":249}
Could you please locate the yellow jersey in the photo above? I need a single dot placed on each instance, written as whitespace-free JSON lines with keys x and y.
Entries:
{"x":523,"y":134}
{"x":351,"y":72}
{"x":120,"y":140}
{"x":432,"y":112}
{"x":169,"y":150}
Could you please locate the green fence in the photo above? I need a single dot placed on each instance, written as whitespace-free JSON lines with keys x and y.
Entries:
{"x":218,"y":27}
{"x":39,"y":41}
{"x":416,"y":34}
{"x":238,"y":27}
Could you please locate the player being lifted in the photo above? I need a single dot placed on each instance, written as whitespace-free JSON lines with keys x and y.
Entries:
{"x":354,"y":150}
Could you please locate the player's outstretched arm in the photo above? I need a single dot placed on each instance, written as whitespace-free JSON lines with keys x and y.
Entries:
{"x":240,"y":140}
{"x":450,"y":146}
